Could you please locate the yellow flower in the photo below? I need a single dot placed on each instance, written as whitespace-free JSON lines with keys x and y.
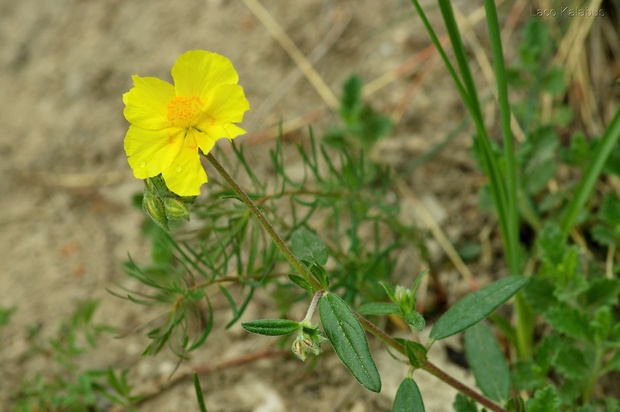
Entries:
{"x":170,"y":125}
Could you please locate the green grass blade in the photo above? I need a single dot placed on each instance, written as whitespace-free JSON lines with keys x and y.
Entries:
{"x":431,"y":32}
{"x":608,"y":142}
{"x":491,"y":164}
{"x":512,"y":248}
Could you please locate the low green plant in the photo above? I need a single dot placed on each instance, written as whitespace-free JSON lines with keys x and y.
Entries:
{"x":333,"y":236}
{"x":67,"y":385}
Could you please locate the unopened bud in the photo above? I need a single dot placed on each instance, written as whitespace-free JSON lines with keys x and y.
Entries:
{"x":188,"y":200}
{"x":154,"y":207}
{"x":175,"y":208}
{"x":156,"y":185}
{"x":405,"y":298}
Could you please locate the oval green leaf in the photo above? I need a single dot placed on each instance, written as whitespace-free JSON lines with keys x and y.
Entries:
{"x":271,"y":327}
{"x":415,"y":319}
{"x":416,"y":353}
{"x":408,"y":397}
{"x":301,"y":282}
{"x":476,"y":306}
{"x":305,"y":245}
{"x":349,"y":340}
{"x":487,"y":362}
{"x":379,"y":308}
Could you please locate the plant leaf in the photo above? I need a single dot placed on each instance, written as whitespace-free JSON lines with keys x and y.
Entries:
{"x":349,"y":340}
{"x":305,"y":245}
{"x":416,"y":320}
{"x":487,"y":362}
{"x":408,"y":397}
{"x":271,"y":327}
{"x":569,"y":321}
{"x":476,"y":306}
{"x":463,"y":404}
{"x":544,"y":400}
{"x":416,"y":353}
{"x":301,"y":282}
{"x":379,"y":308}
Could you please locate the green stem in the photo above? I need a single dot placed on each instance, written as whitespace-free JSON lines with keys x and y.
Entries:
{"x":466,"y":390}
{"x":297,"y":265}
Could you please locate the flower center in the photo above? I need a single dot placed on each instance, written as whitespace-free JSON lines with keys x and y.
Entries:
{"x":183,"y":112}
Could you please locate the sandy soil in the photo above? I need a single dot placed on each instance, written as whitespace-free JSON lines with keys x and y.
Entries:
{"x":65,"y":213}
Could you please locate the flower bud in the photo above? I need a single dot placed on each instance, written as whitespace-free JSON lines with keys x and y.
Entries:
{"x":156,"y":185}
{"x":405,"y":298}
{"x":188,"y":199}
{"x":176,"y":208}
{"x":154,"y":207}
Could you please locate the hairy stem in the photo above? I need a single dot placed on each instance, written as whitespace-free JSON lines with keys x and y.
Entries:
{"x":313,"y":305}
{"x":466,"y":390}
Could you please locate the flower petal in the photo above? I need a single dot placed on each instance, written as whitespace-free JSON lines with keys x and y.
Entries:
{"x":185,"y":174}
{"x":228,"y":130}
{"x":146,"y":103}
{"x":205,"y":142}
{"x":226,"y":104}
{"x":150,"y":152}
{"x":198,"y":72}
{"x":232,"y":131}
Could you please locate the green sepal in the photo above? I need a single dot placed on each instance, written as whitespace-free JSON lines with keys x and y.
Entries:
{"x":176,"y":208}
{"x":154,"y":207}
